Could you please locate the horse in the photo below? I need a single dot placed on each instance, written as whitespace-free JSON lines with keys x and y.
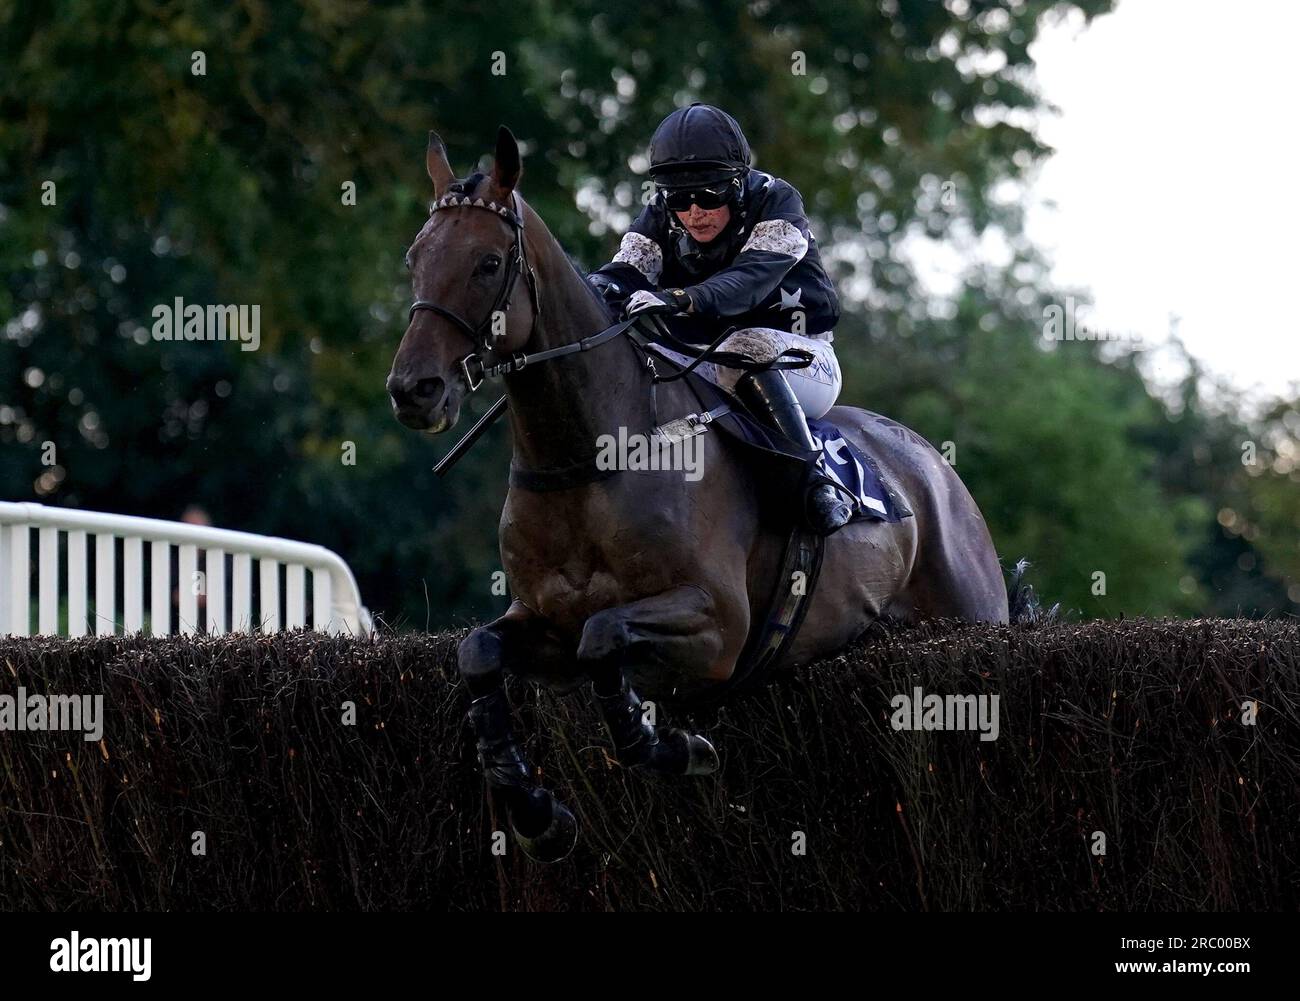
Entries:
{"x":640,"y":578}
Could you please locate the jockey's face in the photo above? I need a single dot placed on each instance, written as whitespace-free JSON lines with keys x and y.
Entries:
{"x":704,"y":224}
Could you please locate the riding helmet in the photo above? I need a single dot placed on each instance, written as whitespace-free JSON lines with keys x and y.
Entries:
{"x":698,"y":146}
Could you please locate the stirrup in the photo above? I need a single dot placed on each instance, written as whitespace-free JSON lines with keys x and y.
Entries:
{"x":827,"y":506}
{"x":826,"y":511}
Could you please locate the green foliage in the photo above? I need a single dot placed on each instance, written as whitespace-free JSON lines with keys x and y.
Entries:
{"x":227,"y":188}
{"x":1043,"y":433}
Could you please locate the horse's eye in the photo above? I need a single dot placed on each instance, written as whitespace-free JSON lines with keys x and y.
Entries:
{"x":489,"y":264}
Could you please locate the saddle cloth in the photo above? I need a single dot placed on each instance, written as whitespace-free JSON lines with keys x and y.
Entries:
{"x":844,"y":462}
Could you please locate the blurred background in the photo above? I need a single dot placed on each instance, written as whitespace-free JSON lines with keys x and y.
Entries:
{"x":922,"y":135}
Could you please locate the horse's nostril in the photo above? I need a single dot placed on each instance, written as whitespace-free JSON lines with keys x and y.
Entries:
{"x":428,"y":389}
{"x":408,"y":392}
{"x":398,"y":390}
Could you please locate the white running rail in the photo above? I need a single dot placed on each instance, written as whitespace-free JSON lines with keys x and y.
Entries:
{"x":213,"y":589}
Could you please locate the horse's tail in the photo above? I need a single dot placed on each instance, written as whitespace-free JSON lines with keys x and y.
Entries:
{"x":1023,"y":603}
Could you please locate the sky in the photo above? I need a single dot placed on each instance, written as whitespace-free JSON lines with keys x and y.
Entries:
{"x":1175,"y":179}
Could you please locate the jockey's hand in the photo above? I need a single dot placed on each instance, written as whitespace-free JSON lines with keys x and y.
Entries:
{"x":647,"y":303}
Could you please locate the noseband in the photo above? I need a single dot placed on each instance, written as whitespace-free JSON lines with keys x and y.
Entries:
{"x":516,"y":263}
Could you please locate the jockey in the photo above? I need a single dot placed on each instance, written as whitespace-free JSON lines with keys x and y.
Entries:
{"x":722,"y":243}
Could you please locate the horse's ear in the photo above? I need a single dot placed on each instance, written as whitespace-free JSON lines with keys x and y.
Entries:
{"x":507,"y":167}
{"x":435,"y":162}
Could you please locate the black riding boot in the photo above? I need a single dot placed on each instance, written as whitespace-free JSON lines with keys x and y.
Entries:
{"x":637,"y":744}
{"x":771,"y":394}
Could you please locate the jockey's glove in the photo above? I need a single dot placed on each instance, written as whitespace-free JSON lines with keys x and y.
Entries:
{"x":664,"y":301}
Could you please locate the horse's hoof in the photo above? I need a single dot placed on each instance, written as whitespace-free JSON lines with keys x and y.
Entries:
{"x":555,"y":842}
{"x":701,"y":756}
{"x":680,"y":753}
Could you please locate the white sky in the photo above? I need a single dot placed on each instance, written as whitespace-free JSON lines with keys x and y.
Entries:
{"x":1175,"y":176}
{"x":1175,"y":181}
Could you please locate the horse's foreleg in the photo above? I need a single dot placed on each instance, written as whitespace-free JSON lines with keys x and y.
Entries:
{"x":673,"y":635}
{"x":544,"y":827}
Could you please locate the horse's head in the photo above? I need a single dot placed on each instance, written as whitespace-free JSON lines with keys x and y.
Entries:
{"x":475,"y":295}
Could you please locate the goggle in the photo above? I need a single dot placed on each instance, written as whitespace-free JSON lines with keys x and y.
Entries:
{"x":681,"y":199}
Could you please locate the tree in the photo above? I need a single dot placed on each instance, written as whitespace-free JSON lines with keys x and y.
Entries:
{"x":229,"y":187}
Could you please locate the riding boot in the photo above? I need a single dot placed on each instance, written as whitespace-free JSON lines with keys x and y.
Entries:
{"x":770,"y":393}
{"x":638,"y":745}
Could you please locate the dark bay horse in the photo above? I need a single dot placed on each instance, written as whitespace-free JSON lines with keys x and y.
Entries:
{"x":644,"y":578}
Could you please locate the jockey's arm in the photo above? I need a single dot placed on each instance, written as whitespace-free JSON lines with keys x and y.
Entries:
{"x":777,"y":241}
{"x":640,"y":258}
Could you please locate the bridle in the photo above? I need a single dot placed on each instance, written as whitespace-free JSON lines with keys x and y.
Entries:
{"x":516,"y":263}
